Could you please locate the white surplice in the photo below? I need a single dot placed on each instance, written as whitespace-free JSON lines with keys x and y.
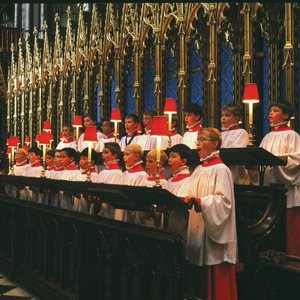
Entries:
{"x":236,"y":138}
{"x":284,"y":143}
{"x":212,"y":237}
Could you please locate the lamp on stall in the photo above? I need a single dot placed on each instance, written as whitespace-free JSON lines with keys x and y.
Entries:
{"x":250,"y":97}
{"x":45,"y":139}
{"x":77,"y":123}
{"x":139,"y":128}
{"x":13,"y":142}
{"x":159,"y":129}
{"x":37,"y":140}
{"x":90,"y":136}
{"x":27,"y":141}
{"x":170,"y":109}
{"x":116,"y":118}
{"x":47,"y":126}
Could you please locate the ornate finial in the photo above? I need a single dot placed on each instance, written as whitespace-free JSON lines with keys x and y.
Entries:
{"x":45,"y":26}
{"x":57,"y":18}
{"x":35,"y":32}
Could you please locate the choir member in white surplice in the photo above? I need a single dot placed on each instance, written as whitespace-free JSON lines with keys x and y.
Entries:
{"x":178,"y":184}
{"x":234,"y":137}
{"x":67,"y":138}
{"x":284,"y":142}
{"x":112,"y":174}
{"x":192,"y":118}
{"x":134,"y":175}
{"x":212,"y":239}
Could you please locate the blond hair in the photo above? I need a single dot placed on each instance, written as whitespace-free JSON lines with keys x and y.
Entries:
{"x":163,"y":156}
{"x":135,"y":148}
{"x":213,"y":133}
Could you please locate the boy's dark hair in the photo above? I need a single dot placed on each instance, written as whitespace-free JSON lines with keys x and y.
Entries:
{"x":286,"y":108}
{"x":193,"y":108}
{"x":69,"y":127}
{"x":183,"y":150}
{"x":107,"y":120}
{"x":95,"y":155}
{"x":235,"y":109}
{"x":91,"y":116}
{"x":114,"y":148}
{"x":50,"y":152}
{"x":149,"y":113}
{"x":36,"y":150}
{"x":134,"y":117}
{"x":71,"y":152}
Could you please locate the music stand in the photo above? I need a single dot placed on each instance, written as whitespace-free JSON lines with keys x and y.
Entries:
{"x":251,"y":156}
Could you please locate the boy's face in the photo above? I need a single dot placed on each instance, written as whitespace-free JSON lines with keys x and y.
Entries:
{"x":20,"y":156}
{"x":190,"y":118}
{"x":65,"y":159}
{"x":205,"y":146}
{"x":175,"y":161}
{"x":130,"y":126}
{"x":88,"y":122}
{"x":227,"y":119}
{"x":276,"y":115}
{"x":107,"y":156}
{"x":57,"y":160}
{"x":49,"y":160}
{"x":130,"y":158}
{"x":32,"y":157}
{"x":107,"y":129}
{"x":66,"y":132}
{"x":84,"y":163}
{"x":147,"y":121}
{"x":150,"y":165}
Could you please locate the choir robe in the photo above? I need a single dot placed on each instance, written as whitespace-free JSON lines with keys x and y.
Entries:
{"x":70,"y":173}
{"x":176,"y":138}
{"x":179,"y":186}
{"x":82,"y":144}
{"x":147,"y":141}
{"x":67,"y":143}
{"x":112,"y":174}
{"x":106,"y":139}
{"x":53,"y":173}
{"x":34,"y":170}
{"x":147,"y":218}
{"x":212,"y":238}
{"x":285,"y":142}
{"x":190,"y":137}
{"x":236,"y":137}
{"x":19,"y":169}
{"x":80,"y":203}
{"x":129,"y":139}
{"x":134,"y":176}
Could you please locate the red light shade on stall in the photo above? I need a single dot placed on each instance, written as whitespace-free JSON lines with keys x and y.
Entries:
{"x":45,"y":138}
{"x":251,"y":93}
{"x":159,"y":126}
{"x":27,"y":139}
{"x":116,"y":115}
{"x":77,"y":121}
{"x":90,"y":135}
{"x":13,"y":141}
{"x":47,"y":126}
{"x":139,"y":129}
{"x":170,"y":106}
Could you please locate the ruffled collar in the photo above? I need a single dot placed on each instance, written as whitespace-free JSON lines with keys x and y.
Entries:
{"x":210,"y":156}
{"x":137,"y":167}
{"x":233,"y":126}
{"x":21,"y":164}
{"x":194,"y":127}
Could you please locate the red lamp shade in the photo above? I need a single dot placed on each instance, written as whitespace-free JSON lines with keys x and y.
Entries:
{"x":251,"y":93}
{"x":90,"y":135}
{"x":45,"y":138}
{"x":159,"y":126}
{"x":13,"y":141}
{"x":116,"y":115}
{"x":170,"y":106}
{"x":37,"y":138}
{"x":77,"y":122}
{"x":47,"y":126}
{"x":27,"y":139}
